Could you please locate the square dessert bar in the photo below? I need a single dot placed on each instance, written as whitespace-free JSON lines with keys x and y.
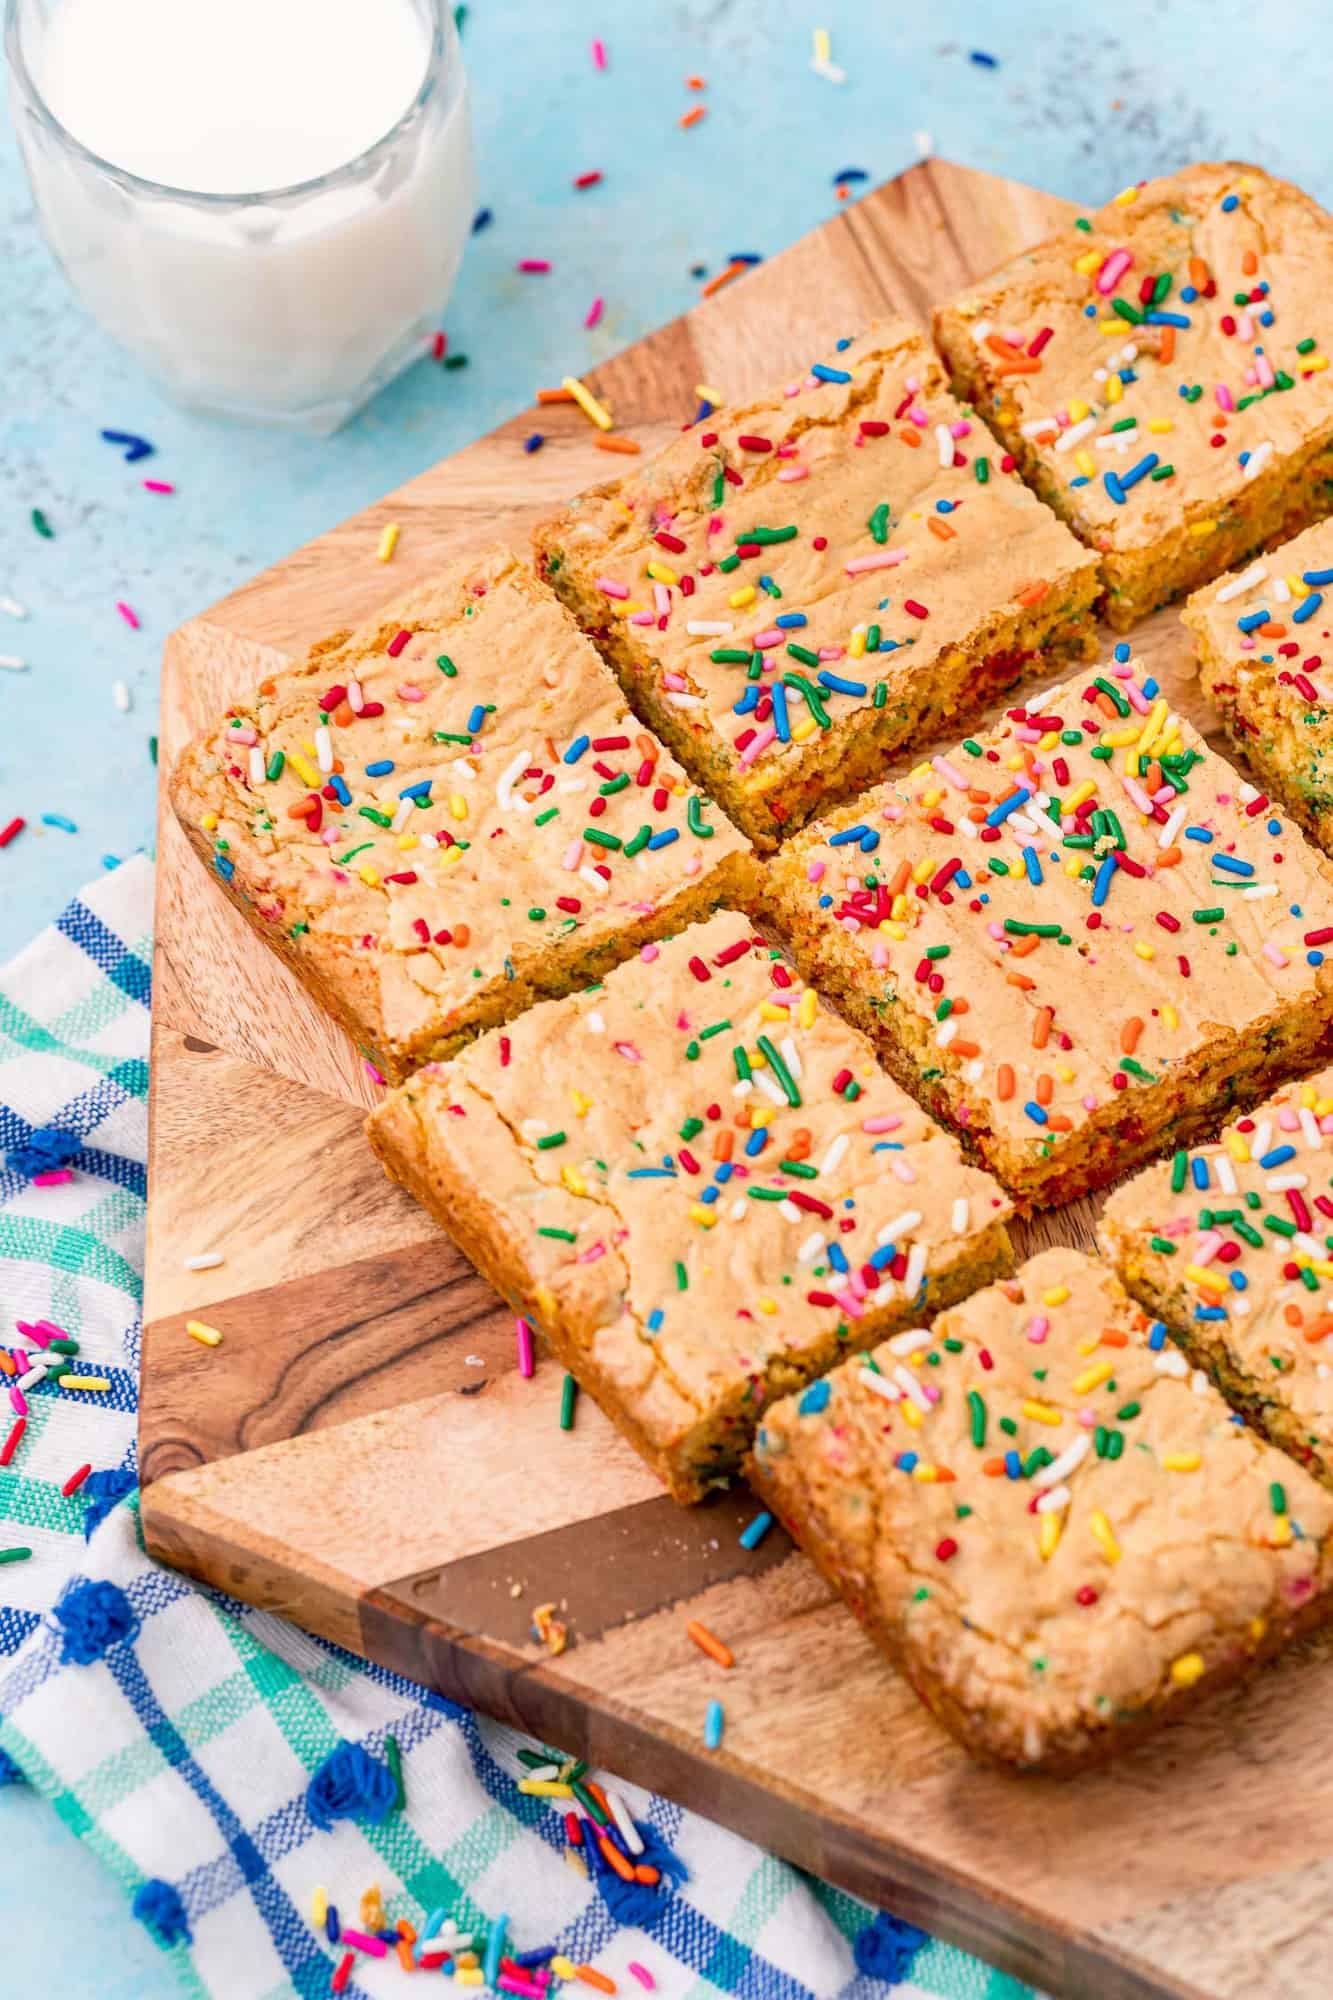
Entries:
{"x":449,"y":813}
{"x":699,"y":1185}
{"x":1231,"y":1244}
{"x":1264,"y":638}
{"x":1056,"y":1535}
{"x":1159,"y":372}
{"x":1078,"y":938}
{"x":795,"y":588}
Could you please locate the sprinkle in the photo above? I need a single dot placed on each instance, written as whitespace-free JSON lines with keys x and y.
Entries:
{"x":594,"y":312}
{"x":713,"y":1722}
{"x":13,"y":663}
{"x":754,"y":1531}
{"x":527,"y":1365}
{"x":206,"y":1260}
{"x":388,"y":542}
{"x":120,"y":694}
{"x":42,"y":525}
{"x":130,"y":616}
{"x":198,"y":1329}
{"x":709,"y":1643}
{"x":587,"y":402}
{"x":94,"y":1384}
{"x":569,"y":1390}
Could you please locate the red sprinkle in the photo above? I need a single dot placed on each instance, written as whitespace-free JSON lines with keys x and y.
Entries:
{"x":945,"y":1549}
{"x":396,"y":644}
{"x":8,"y":833}
{"x":699,"y":969}
{"x":75,"y":1480}
{"x":749,"y":443}
{"x":586,"y":180}
{"x":11,"y":1443}
{"x":917,"y":610}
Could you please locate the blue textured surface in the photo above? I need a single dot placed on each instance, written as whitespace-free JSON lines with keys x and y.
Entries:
{"x":1076,"y":105}
{"x":1076,"y":110}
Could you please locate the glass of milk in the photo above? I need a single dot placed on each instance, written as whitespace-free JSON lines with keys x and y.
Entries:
{"x":265,"y":201}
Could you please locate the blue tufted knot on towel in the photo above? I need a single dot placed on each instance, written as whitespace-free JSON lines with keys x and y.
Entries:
{"x":350,"y":1784}
{"x":94,"y":1617}
{"x":886,"y":1947}
{"x":159,"y":1906}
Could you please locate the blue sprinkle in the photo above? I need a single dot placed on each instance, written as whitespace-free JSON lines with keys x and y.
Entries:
{"x":1114,"y":488}
{"x":745,"y":257}
{"x":1167,"y":319}
{"x":1101,"y":887}
{"x":1121,"y":652}
{"x":748,"y":702}
{"x":906,"y":1461}
{"x":1306,"y":608}
{"x":337,"y":784}
{"x":1033,"y":867}
{"x":712,"y":1731}
{"x":421,"y":790}
{"x":999,"y":814}
{"x":1210,"y":1312}
{"x":1232,"y":864}
{"x":757,"y":1141}
{"x":1150,"y":688}
{"x":1315,"y":958}
{"x":837,"y":685}
{"x":59,"y":820}
{"x":664,"y":837}
{"x":723,"y":1173}
{"x":1013,"y":1465}
{"x":837,"y":1256}
{"x":881,"y":1259}
{"x":1251,"y":620}
{"x":483,"y":219}
{"x":754,"y":1531}
{"x":705,"y":409}
{"x":655,"y":1319}
{"x":534,"y":442}
{"x":1035,"y":1112}
{"x":1229,"y":202}
{"x":135,"y":447}
{"x":333,"y":1929}
{"x":869,"y":841}
{"x":1188,"y":294}
{"x":814,"y":1399}
{"x":851,"y":174}
{"x":1199,"y":1170}
{"x":476,"y":716}
{"x":1138,"y":472}
{"x":787,"y":621}
{"x":823,"y":374}
{"x":1157,"y":1336}
{"x":576,"y":749}
{"x":1278,"y":1157}
{"x":848,"y":836}
{"x":226,"y":869}
{"x":380,"y":768}
{"x":944,"y":506}
{"x":1317,"y":578}
{"x":1238,"y":1281}
{"x":982,"y":59}
{"x":1200,"y":833}
{"x":778,"y":696}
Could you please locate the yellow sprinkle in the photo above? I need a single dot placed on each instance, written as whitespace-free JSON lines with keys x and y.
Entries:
{"x":762,"y":1115}
{"x":458,"y":805}
{"x":1236,"y":1146}
{"x":388,"y":542}
{"x":1181,"y":1461}
{"x":1202,"y":527}
{"x":406,"y":842}
{"x":707,"y":395}
{"x":587,"y":402}
{"x":573,"y":1180}
{"x":545,"y":1788}
{"x":1279,"y":1533}
{"x":95,"y":1383}
{"x":1143,"y":950}
{"x":1055,"y":1295}
{"x":1073,"y":868}
{"x":740,"y":598}
{"x":857,"y":645}
{"x":210,"y":820}
{"x":1065,"y":1073}
{"x":207,"y":1336}
{"x":450,"y":857}
{"x":700,"y":1212}
{"x":923,"y":870}
{"x":1042,"y":1413}
{"x":661,"y":572}
{"x":1187,"y":1669}
{"x":769,"y":1306}
{"x":369,"y":875}
{"x":823,"y":47}
{"x":1316,"y":363}
{"x":929,"y":1473}
{"x":1257,"y":1628}
{"x":1126,"y":196}
{"x":1198,"y":1274}
{"x":805,"y":727}
{"x":545,"y":1299}
{"x":469,"y":1975}
{"x":1091,"y":260}
{"x":769,"y":1010}
{"x":1298,"y":587}
{"x":808,"y":1008}
{"x":1048,"y":1534}
{"x":1087,"y":790}
{"x":563,"y":1968}
{"x":305,"y":772}
{"x":1170,"y":1018}
{"x":1102,"y":1535}
{"x":1092,"y":1378}
{"x":1116,"y":739}
{"x":1115,"y":388}
{"x":319,"y":1906}
{"x":911,"y":1413}
{"x":581,"y":1103}
{"x":1160,"y":424}
{"x":1150,"y":728}
{"x":1078,"y":409}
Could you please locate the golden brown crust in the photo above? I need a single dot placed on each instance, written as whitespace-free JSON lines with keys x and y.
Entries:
{"x":625,"y":1168}
{"x":475,"y":820}
{"x":1172,"y":1551}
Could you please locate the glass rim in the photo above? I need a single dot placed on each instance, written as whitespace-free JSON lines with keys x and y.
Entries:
{"x":438,"y":71}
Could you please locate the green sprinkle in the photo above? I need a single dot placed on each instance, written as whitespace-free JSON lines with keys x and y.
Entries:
{"x":729,"y":563}
{"x":694,"y":814}
{"x":1015,"y":928}
{"x":1305,"y":346}
{"x":786,"y":1081}
{"x":742,"y":1062}
{"x":352,"y":853}
{"x":1127,"y":311}
{"x":446,"y":666}
{"x":596,"y":838}
{"x":552,"y":812}
{"x":691,"y":1128}
{"x":15,"y":1555}
{"x":730,"y":656}
{"x":1180,"y":1163}
{"x":1277,"y":1495}
{"x":1211,"y":916}
{"x":767,"y":536}
{"x":878,"y":523}
{"x":560,"y":1235}
{"x":273,"y":769}
{"x":879,"y":694}
{"x":47,"y":533}
{"x":613,"y":785}
{"x":393,"y":1758}
{"x":569,"y":1390}
{"x":1127,"y":1412}
{"x":682,"y":1278}
{"x":766,"y":1194}
{"x":800,"y":1168}
{"x":803,"y":654}
{"x":1137,"y":1069}
{"x":1112,"y":693}
{"x":981,"y":467}
{"x":1163,"y":472}
{"x":872,"y":638}
{"x":638,"y":841}
{"x":549,"y":1139}
{"x":1162,"y":1245}
{"x":536,"y":914}
{"x":976,"y":1404}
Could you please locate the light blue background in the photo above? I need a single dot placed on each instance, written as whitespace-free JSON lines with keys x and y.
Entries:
{"x":1083,"y":101}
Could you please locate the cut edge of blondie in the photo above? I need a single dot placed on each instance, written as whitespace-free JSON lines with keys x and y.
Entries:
{"x":1263,"y":758}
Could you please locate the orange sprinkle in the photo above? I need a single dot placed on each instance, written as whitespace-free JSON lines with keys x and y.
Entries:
{"x":554,"y":396}
{"x":1004,"y":1082}
{"x":1293,"y":1315}
{"x":965,"y":1049}
{"x":1113,"y":1336}
{"x":1018,"y":364}
{"x":1199,"y":273}
{"x":1045,"y":1087}
{"x":723,"y":277}
{"x":912,"y":437}
{"x":607,"y":441}
{"x":344,"y":715}
{"x":268,"y":687}
{"x":1004,"y":348}
{"x":723,"y":1142}
{"x":1021,"y":981}
{"x":645,"y":1872}
{"x":1166,"y":345}
{"x":708,"y":1642}
{"x":1170,"y":857}
{"x":1023,"y":947}
{"x":404,"y":1951}
{"x":1032,"y":593}
{"x":695,"y":83}
{"x":7,"y":1364}
{"x":1249,"y":263}
{"x":1129,"y":1035}
{"x":941,"y":529}
{"x":1319,"y":1329}
{"x":994,"y":1468}
{"x":798,"y":1147}
{"x":592,"y":1977}
{"x":1057,"y":1122}
{"x":693,"y":115}
{"x":902,"y":875}
{"x":1041,"y":1027}
{"x":462,"y":934}
{"x":1271,"y":629}
{"x":963,"y":1006}
{"x":623,"y":1868}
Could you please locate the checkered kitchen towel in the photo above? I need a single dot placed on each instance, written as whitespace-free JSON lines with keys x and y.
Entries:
{"x":178,"y":1732}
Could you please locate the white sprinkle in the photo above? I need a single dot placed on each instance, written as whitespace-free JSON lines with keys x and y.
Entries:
{"x":789,"y":1211}
{"x":709,"y":628}
{"x":902,"y":1169}
{"x":595,"y":1023}
{"x":769,"y":1086}
{"x":120,"y":694}
{"x":916,"y":1269}
{"x":1259,"y":892}
{"x":1257,"y":459}
{"x":1279,"y":1183}
{"x":924,"y":143}
{"x":881,"y":1385}
{"x":1052,"y":1502}
{"x":902,"y":1225}
{"x":910,"y":1342}
{"x":620,"y":1813}
{"x":13,"y":608}
{"x":740,"y":1209}
{"x":256,"y":765}
{"x":1171,"y":1362}
{"x":1037,"y":427}
{"x":812,"y":1248}
{"x":1061,"y":1466}
{"x":595,"y":881}
{"x":791,"y":1055}
{"x":945,"y":1033}
{"x":1075,"y":434}
{"x":1226,"y":1174}
{"x":829,"y":71}
{"x":37,"y":1373}
{"x":207,"y":1260}
{"x":508,"y":778}
{"x":402,"y":815}
{"x":12,"y":663}
{"x":1282,"y":590}
{"x":1261,"y":1138}
{"x":1199,"y":1383}
{"x":1238,"y":585}
{"x":323,"y":748}
{"x":911,"y":1387}
{"x":958,"y":1219}
{"x":1313,"y":1137}
{"x":686,"y":700}
{"x":833,"y":1157}
{"x":944,"y":439}
{"x":1172,"y":827}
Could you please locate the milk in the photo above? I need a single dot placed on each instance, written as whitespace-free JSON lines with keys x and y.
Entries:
{"x":238,"y":207}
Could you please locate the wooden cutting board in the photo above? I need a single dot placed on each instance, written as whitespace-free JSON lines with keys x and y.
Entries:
{"x":361,"y":1454}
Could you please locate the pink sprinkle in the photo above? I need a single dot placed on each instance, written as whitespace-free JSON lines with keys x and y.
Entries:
{"x":526,"y":1362}
{"x":887,"y":1121}
{"x":128,"y":615}
{"x":513,"y":1982}
{"x":815,"y":872}
{"x":609,"y":588}
{"x":360,"y":1942}
{"x":643,"y":1975}
{"x":534,"y":264}
{"x":53,"y":1179}
{"x":592,"y":1253}
{"x":371,"y":1071}
{"x":1273,"y":954}
{"x":594,"y":312}
{"x":791,"y":473}
{"x":409,"y":691}
{"x":628,"y":1050}
{"x":885,"y":559}
{"x":771,"y":636}
{"x":599,"y":54}
{"x":1222,"y":397}
{"x":1038,"y":1329}
{"x":1113,"y":270}
{"x":157,"y":486}
{"x":643,"y":618}
{"x":648,"y":952}
{"x":18,"y":1401}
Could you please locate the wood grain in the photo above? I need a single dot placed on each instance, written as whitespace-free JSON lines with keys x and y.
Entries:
{"x":361,"y":1454}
